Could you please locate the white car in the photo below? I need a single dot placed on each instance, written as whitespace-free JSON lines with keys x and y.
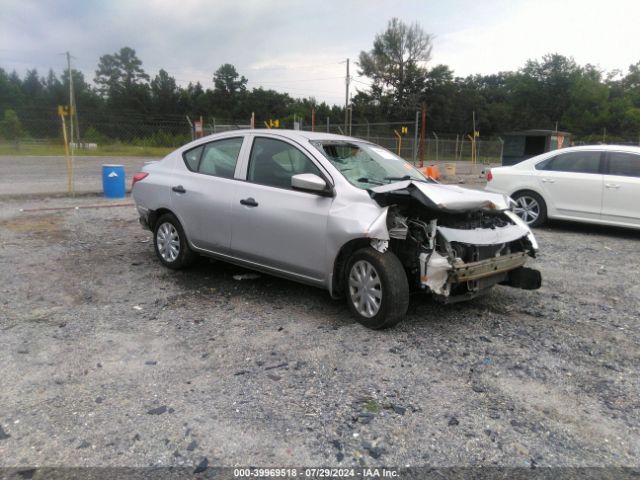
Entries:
{"x":595,"y":184}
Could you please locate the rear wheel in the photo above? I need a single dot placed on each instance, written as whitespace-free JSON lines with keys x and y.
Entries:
{"x":171,"y":244}
{"x":377,"y":288}
{"x":530,"y":208}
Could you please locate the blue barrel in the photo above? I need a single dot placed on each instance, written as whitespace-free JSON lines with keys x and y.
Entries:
{"x":113,"y":181}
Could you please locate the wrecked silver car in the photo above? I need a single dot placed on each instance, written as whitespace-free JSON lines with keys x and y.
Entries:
{"x":334,"y":212}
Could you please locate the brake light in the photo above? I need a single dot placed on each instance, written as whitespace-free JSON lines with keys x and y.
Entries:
{"x":137,"y":177}
{"x":489,"y":175}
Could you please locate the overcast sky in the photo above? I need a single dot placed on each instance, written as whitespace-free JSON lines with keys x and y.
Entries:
{"x":297,"y":46}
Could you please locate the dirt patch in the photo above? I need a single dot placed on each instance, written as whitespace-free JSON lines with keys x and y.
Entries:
{"x":49,"y":226}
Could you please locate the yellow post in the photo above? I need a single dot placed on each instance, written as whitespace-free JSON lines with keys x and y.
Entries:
{"x":66,"y":150}
{"x":399,"y":141}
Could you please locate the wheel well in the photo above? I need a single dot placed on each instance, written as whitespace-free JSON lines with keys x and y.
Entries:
{"x":154,"y":215}
{"x":340,"y":263}
{"x":526,"y":190}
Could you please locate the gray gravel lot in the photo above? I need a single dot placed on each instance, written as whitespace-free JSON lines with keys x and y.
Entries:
{"x":107,"y":358}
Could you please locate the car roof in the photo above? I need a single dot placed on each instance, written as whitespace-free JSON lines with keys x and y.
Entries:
{"x":299,"y":135}
{"x":604,"y":148}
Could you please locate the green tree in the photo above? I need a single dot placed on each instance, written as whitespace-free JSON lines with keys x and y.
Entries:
{"x":11,"y":95}
{"x":11,"y":127}
{"x":396,"y":64}
{"x":121,"y":79}
{"x":165,"y":94}
{"x":229,"y":91}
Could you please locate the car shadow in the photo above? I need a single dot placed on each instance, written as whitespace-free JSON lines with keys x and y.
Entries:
{"x":208,"y":279}
{"x":222,"y":279}
{"x":589,"y":229}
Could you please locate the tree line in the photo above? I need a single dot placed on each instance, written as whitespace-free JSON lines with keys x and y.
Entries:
{"x":549,"y":93}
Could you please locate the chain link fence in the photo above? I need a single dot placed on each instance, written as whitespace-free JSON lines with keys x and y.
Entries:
{"x":96,"y":129}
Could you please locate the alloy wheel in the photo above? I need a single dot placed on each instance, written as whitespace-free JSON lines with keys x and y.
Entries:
{"x":527,"y":208}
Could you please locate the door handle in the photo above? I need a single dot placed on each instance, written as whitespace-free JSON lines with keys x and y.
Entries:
{"x":548,"y":180}
{"x":612,"y":185}
{"x":179,"y":189}
{"x":249,"y":202}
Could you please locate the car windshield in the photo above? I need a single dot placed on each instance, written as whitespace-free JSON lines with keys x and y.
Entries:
{"x":365,"y":165}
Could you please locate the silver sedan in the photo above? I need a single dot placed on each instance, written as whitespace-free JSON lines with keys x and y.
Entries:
{"x":334,"y":212}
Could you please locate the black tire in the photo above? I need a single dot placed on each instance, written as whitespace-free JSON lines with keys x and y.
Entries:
{"x":526,"y":198}
{"x":394,"y":288}
{"x":168,"y":224}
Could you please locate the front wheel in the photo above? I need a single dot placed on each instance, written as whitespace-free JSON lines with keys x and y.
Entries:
{"x":377,"y":288}
{"x":171,"y":244}
{"x":530,"y":207}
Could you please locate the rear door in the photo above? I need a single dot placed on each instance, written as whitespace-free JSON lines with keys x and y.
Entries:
{"x":274,"y":225}
{"x":621,"y":197}
{"x":572,"y":183}
{"x":202,"y":190}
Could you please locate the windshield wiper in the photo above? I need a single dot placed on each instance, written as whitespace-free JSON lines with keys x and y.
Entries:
{"x":366,"y":180}
{"x":406,"y":177}
{"x":395,"y":179}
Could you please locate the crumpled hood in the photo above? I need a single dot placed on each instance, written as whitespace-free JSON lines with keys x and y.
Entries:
{"x":446,"y":197}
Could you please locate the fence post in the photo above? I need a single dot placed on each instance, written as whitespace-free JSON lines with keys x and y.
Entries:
{"x":455,"y":155}
{"x":193,"y":137}
{"x":415,"y":138}
{"x":501,"y":149}
{"x":327,"y":124}
{"x":437,"y":153}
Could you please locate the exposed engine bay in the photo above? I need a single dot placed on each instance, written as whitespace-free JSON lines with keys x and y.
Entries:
{"x":458,"y":247}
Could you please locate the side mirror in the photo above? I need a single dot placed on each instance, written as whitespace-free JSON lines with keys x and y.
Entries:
{"x":310,"y":182}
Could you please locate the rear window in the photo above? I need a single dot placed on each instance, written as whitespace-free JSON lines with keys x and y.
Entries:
{"x":216,"y":158}
{"x":192,"y":158}
{"x":624,"y":164}
{"x":576,"y":162}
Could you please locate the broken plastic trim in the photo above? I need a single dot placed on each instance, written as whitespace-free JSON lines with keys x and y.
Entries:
{"x":380,"y":245}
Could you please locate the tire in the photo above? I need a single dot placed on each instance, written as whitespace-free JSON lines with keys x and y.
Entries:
{"x":376,"y":272}
{"x":170,"y":243}
{"x":531,"y":208}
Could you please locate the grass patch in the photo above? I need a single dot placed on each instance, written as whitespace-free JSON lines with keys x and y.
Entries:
{"x":372,"y":406}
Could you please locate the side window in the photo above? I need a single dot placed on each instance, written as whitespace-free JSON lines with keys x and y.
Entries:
{"x":578,"y":162}
{"x":219,"y":158}
{"x":625,"y":164}
{"x":274,"y":162}
{"x":192,"y":158}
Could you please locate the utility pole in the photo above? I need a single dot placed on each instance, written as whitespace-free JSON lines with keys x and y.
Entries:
{"x":72,"y":108}
{"x":423,"y":133}
{"x":346,"y":100}
{"x":415,"y":138}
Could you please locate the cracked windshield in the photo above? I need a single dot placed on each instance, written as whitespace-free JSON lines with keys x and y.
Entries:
{"x":365,"y":165}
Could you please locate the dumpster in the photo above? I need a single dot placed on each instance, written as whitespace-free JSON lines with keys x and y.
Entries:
{"x":113,"y":181}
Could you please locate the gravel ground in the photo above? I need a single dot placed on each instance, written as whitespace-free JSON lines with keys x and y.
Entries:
{"x":109,"y":359}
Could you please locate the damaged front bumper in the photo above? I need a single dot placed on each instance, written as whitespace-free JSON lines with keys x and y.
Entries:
{"x":451,"y":279}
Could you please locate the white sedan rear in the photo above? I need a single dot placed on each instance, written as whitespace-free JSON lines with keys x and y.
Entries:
{"x":596,"y":184}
